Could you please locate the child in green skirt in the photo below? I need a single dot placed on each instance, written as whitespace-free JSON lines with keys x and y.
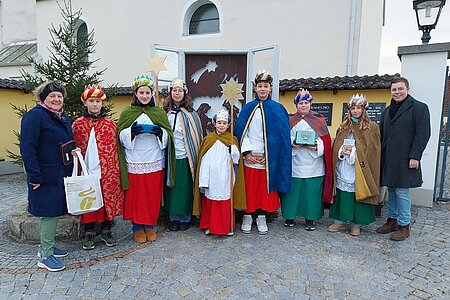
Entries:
{"x":356,"y":150}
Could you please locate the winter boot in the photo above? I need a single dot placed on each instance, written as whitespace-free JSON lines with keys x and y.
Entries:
{"x":401,"y":234}
{"x":390,"y":226}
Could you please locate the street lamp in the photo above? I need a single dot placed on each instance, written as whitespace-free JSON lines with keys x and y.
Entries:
{"x":427,"y":14}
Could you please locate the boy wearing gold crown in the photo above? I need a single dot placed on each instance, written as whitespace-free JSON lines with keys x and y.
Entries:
{"x":263,"y":133}
{"x":312,"y":173}
{"x":144,"y":133}
{"x":96,"y":135}
{"x":213,"y":179}
{"x":356,"y":152}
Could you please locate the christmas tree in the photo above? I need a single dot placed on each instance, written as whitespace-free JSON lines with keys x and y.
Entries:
{"x":69,"y":62}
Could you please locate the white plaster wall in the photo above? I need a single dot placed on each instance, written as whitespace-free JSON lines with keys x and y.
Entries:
{"x":427,"y":86}
{"x":369,"y":38}
{"x":17,"y":21}
{"x":312,"y":34}
{"x":13,"y":72}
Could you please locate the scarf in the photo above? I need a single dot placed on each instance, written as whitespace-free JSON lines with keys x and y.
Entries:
{"x":101,"y":114}
{"x":354,"y":119}
{"x":191,"y":128}
{"x":57,"y":113}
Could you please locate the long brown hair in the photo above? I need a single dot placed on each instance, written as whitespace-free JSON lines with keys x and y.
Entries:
{"x":186,"y":102}
{"x":135,"y":101}
{"x":364,"y":120}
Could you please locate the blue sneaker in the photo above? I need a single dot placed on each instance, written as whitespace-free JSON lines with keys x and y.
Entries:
{"x":52,"y":264}
{"x":58,"y":253}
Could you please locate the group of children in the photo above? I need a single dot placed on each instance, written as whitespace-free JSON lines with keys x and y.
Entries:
{"x":157,"y":157}
{"x":164,"y":159}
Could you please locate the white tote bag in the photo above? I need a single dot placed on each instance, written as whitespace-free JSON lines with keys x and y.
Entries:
{"x":83,"y":193}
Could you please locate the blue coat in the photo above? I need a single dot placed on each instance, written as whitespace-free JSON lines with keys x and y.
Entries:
{"x":41,"y":135}
{"x":278,"y":144}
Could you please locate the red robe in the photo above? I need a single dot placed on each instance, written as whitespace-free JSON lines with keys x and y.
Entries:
{"x":106,"y":138}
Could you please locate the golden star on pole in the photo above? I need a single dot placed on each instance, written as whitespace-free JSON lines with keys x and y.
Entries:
{"x":157,"y":64}
{"x":232,"y":90}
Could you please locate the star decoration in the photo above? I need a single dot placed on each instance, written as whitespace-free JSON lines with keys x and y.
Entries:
{"x":232,"y":90}
{"x":157,"y":64}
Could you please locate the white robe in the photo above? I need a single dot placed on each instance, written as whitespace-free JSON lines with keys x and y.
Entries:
{"x":145,"y":153}
{"x":214,"y":176}
{"x":180,"y":149}
{"x":307,"y":163}
{"x":345,"y":169}
{"x":253,"y":140}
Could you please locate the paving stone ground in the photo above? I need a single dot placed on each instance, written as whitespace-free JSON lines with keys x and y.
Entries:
{"x":287,"y":263}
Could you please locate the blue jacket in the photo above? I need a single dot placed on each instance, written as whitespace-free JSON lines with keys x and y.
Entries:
{"x":41,"y":135}
{"x":278,"y":144}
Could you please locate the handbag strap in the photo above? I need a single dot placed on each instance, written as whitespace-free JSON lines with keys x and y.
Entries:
{"x":84,"y":169}
{"x":75,"y":166}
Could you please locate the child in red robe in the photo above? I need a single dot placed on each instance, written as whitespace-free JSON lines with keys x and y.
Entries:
{"x":96,"y":134}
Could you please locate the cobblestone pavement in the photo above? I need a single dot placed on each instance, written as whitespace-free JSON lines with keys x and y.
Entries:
{"x":287,"y":263}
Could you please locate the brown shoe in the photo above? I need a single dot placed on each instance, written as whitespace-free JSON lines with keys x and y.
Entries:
{"x":151,"y":235}
{"x":390,"y":226}
{"x":355,"y":231}
{"x":401,"y":234}
{"x":336,"y":227}
{"x":139,"y":237}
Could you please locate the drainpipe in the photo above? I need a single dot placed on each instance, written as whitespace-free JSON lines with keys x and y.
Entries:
{"x":1,"y":25}
{"x":351,"y":39}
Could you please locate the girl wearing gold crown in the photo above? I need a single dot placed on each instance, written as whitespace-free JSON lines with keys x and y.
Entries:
{"x":187,"y":133}
{"x":96,"y":134}
{"x":213,"y":179}
{"x":356,"y":152}
{"x":144,"y":133}
{"x":311,"y":165}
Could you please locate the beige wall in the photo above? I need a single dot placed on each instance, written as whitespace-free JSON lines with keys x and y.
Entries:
{"x":10,"y":121}
{"x":382,"y":95}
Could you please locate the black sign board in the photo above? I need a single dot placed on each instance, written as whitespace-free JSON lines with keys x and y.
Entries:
{"x":374,"y":111}
{"x":325,"y":109}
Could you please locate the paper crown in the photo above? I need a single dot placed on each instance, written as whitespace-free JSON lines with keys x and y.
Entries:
{"x":179,"y":83}
{"x":263,"y":75}
{"x":142,"y":80}
{"x":222,"y":115}
{"x":358,"y":100}
{"x":93,"y":91}
{"x":303,"y":95}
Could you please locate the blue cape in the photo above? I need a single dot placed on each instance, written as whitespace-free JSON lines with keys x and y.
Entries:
{"x":278,"y":145}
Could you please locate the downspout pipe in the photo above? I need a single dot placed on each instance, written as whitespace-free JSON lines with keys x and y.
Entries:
{"x":1,"y":25}
{"x":351,"y":39}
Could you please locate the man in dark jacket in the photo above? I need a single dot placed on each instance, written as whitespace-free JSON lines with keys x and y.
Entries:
{"x":405,"y":131}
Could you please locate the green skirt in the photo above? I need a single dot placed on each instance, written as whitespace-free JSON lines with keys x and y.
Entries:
{"x":304,"y":199}
{"x":346,"y":208}
{"x":178,"y":199}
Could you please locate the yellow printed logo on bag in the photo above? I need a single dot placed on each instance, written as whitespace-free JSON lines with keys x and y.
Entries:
{"x":86,"y":202}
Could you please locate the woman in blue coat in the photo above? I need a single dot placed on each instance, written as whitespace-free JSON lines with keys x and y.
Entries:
{"x":44,"y":131}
